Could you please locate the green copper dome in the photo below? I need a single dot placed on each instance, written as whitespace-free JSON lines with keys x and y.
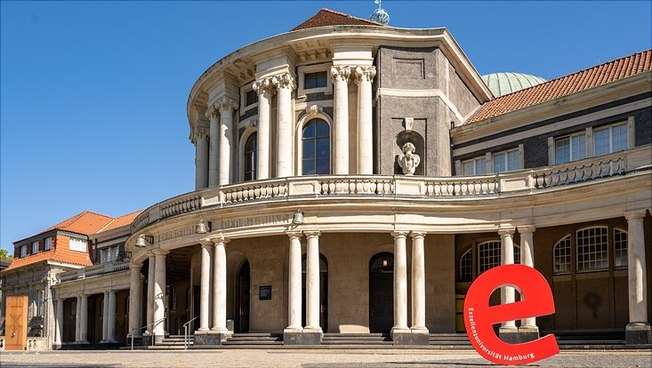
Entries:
{"x":502,"y":84}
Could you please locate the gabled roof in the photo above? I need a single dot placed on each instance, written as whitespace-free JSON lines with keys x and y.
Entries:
{"x":328,"y":17}
{"x":121,"y":221}
{"x":86,"y":223}
{"x":588,"y":78}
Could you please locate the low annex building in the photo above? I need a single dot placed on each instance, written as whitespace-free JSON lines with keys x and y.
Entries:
{"x":353,"y":177}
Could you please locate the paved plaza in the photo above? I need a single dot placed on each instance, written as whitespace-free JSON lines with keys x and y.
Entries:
{"x":308,"y":358}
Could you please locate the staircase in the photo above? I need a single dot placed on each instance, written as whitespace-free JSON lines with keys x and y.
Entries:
{"x":583,"y":339}
{"x":356,"y":339}
{"x":172,"y":342}
{"x":450,"y":341}
{"x":262,"y":339}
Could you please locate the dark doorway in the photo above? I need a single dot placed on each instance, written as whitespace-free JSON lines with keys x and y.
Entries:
{"x":381,"y":292}
{"x":69,"y":319}
{"x":196,"y":304}
{"x":242,"y":299}
{"x":95,"y":305}
{"x":323,"y":292}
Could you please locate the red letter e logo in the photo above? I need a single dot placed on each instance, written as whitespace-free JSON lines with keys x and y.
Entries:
{"x":479,"y":317}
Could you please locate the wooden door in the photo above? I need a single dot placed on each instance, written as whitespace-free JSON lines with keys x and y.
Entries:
{"x":16,"y":323}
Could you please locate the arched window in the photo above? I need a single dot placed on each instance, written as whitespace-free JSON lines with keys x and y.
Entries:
{"x":466,"y":266}
{"x":490,"y":255}
{"x":250,"y":157}
{"x":592,"y":251}
{"x":620,"y":248}
{"x":316,"y":148}
{"x":562,"y":255}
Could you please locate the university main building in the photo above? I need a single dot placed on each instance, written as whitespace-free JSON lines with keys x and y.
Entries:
{"x":352,"y":180}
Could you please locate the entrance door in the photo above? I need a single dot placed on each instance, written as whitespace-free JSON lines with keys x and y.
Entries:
{"x":242,"y":299}
{"x":381,"y":292}
{"x":16,"y":323}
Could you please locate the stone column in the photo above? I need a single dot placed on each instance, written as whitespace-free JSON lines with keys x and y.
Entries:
{"x":312,"y":282}
{"x":159,"y":294}
{"x":638,"y":329}
{"x":58,"y":332}
{"x":400,"y":284}
{"x":111,"y":318}
{"x":226,"y":107}
{"x":200,"y":139}
{"x":135,"y":293}
{"x":83,"y":324}
{"x":528,"y":325}
{"x":294,"y":284}
{"x":150,"y":292}
{"x":340,"y":76}
{"x":263,"y":88}
{"x":204,"y":291}
{"x":507,"y":293}
{"x":78,"y":320}
{"x":219,"y":287}
{"x":284,"y":85}
{"x":213,"y":154}
{"x":364,"y":76}
{"x":105,"y":317}
{"x":418,"y":284}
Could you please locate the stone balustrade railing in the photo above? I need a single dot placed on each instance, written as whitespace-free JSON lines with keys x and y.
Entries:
{"x":98,"y":269}
{"x":399,"y":186}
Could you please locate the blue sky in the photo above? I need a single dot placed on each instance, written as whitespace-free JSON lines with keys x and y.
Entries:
{"x":93,"y":94}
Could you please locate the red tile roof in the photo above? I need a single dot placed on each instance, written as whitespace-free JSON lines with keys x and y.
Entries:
{"x":121,"y":221}
{"x":328,"y":17}
{"x":86,"y":223}
{"x":564,"y":86}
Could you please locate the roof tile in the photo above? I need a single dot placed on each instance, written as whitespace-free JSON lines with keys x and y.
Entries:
{"x":328,"y":17}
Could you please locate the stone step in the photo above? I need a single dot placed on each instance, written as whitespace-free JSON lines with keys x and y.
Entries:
{"x":355,"y":342}
{"x":252,"y":342}
{"x":352,"y":334}
{"x":354,"y":338}
{"x":266,"y":338}
{"x":257,"y":334}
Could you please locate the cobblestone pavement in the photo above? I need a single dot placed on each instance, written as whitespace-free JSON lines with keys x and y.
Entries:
{"x":307,"y":358}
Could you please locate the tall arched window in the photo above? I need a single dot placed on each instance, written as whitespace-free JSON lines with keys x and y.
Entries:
{"x":316,"y":148}
{"x":250,"y":157}
{"x":490,"y":255}
{"x":466,"y":266}
{"x":620,"y":248}
{"x":562,"y":255}
{"x":592,"y":249}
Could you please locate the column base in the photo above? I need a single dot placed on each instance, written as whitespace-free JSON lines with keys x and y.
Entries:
{"x":407,"y":337}
{"x":528,"y":333}
{"x":638,"y":333}
{"x":209,"y":338}
{"x":509,"y":334}
{"x":302,"y":338}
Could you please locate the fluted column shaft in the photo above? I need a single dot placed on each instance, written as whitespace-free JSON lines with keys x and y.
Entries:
{"x":213,"y":155}
{"x":294,"y":281}
{"x":506,"y":258}
{"x":201,"y":158}
{"x":637,"y":268}
{"x":400,"y":282}
{"x":340,"y":76}
{"x":150,"y":291}
{"x":264,"y":90}
{"x":364,"y":77}
{"x":219,"y":287}
{"x":58,"y":333}
{"x":527,"y":259}
{"x":159,"y":293}
{"x":135,"y":294}
{"x":312,"y":282}
{"x":111,"y":323}
{"x":226,"y":107}
{"x":284,"y":85}
{"x":418,"y":284}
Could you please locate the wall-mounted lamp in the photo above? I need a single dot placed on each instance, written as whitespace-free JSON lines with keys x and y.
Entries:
{"x":143,"y":240}
{"x":297,"y":219}
{"x":203,"y":227}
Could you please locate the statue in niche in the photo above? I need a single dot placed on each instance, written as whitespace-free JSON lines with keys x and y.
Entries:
{"x":409,"y":160}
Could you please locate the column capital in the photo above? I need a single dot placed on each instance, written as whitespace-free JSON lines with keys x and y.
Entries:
{"x":160,"y":252}
{"x":135,"y":266}
{"x":505,"y":231}
{"x":199,"y":133}
{"x":364,"y":73}
{"x":284,"y":81}
{"x":340,"y":73}
{"x":418,"y":234}
{"x":399,"y":234}
{"x":219,"y":239}
{"x":211,"y":112}
{"x":312,"y":233}
{"x":635,"y":214}
{"x":526,"y":229}
{"x":294,"y":234}
{"x":226,"y":105}
{"x":263,"y":86}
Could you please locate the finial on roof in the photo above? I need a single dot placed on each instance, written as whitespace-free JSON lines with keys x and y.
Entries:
{"x":380,"y":15}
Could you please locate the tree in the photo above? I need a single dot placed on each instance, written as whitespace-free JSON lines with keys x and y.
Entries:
{"x":4,"y":254}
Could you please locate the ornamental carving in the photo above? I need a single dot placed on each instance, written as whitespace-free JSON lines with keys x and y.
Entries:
{"x":212,"y":112}
{"x":364,"y":73}
{"x":264,"y":87}
{"x":284,"y":80}
{"x":226,"y":105}
{"x":409,"y":160}
{"x":199,"y":134}
{"x":340,"y":73}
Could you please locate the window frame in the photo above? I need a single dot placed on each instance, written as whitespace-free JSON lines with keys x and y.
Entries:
{"x":567,"y":239}
{"x":254,"y":153}
{"x":22,"y":251}
{"x":47,"y":243}
{"x":570,"y":147}
{"x":474,"y":162}
{"x":579,"y":269}
{"x":518,"y":150}
{"x":301,"y":158}
{"x":243,"y":98}
{"x":33,"y":247}
{"x":309,"y":69}
{"x":610,"y":128}
{"x":622,"y":249}
{"x":461,"y":276}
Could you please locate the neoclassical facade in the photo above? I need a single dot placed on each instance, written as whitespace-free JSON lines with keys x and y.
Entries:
{"x":355,"y":178}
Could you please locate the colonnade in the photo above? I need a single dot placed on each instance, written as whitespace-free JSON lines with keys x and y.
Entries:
{"x":81,"y":319}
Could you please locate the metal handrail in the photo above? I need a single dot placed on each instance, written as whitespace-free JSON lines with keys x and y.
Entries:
{"x":132,"y":335}
{"x":185,"y":333}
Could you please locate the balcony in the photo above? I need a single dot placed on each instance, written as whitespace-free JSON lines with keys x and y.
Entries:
{"x":379,"y":187}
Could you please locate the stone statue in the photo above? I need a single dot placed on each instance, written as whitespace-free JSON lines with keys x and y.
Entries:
{"x":409,"y":160}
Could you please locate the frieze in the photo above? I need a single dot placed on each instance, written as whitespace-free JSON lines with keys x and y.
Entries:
{"x":255,"y":221}
{"x":178,"y":233}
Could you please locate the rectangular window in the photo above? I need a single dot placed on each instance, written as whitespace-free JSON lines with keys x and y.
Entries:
{"x":507,"y":161}
{"x":610,"y":139}
{"x":570,"y":148}
{"x":104,"y":255}
{"x":315,"y":80}
{"x":251,"y":97}
{"x":34,"y":249}
{"x":592,"y":249}
{"x":476,"y":166}
{"x":23,"y":251}
{"x":48,"y":243}
{"x":77,"y":245}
